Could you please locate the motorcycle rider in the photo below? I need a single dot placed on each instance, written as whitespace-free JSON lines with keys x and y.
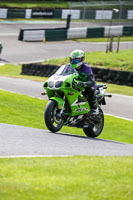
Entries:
{"x":86,"y":76}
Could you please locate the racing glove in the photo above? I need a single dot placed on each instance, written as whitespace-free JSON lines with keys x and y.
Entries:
{"x":82,"y":84}
{"x":86,"y":84}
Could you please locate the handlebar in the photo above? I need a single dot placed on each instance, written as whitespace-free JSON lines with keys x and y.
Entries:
{"x":75,"y":85}
{"x":108,"y":95}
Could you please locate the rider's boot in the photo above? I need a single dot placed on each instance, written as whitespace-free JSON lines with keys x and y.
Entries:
{"x":95,"y":111}
{"x":94,"y":107}
{"x":92,"y":100}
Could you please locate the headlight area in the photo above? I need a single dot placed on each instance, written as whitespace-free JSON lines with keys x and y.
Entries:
{"x":58,"y":84}
{"x":51,"y":84}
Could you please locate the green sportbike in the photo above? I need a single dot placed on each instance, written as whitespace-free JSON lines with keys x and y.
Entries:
{"x":68,"y":106}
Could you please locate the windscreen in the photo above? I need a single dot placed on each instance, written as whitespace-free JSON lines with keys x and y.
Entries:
{"x":65,"y":70}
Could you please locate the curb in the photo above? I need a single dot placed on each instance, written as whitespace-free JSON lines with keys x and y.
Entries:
{"x":57,"y":34}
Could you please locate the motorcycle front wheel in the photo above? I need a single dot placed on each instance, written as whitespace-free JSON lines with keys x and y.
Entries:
{"x":52,"y":118}
{"x":94,"y":129}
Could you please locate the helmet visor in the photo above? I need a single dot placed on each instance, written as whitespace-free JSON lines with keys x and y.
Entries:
{"x":75,"y":60}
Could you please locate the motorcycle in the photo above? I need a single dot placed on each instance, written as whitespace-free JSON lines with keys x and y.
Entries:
{"x":67,"y":106}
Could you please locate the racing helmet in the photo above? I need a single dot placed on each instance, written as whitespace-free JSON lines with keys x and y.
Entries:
{"x":77,"y":58}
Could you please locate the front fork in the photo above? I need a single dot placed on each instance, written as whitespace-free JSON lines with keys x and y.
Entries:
{"x":61,"y":106}
{"x":61,"y":113}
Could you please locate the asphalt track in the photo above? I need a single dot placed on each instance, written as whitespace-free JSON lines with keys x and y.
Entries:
{"x":23,"y":141}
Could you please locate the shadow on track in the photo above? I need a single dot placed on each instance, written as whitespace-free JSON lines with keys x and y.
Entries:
{"x":88,"y":138}
{"x":5,"y":61}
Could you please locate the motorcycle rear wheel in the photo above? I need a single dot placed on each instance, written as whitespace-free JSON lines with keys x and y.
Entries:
{"x":95,"y":129}
{"x":53,"y":122}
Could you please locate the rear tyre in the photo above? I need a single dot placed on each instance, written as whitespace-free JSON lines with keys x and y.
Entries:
{"x":95,"y":128}
{"x":51,"y":116}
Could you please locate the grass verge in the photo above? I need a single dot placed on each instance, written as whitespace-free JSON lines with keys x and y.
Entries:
{"x":49,"y":4}
{"x":122,"y":39}
{"x":70,"y":178}
{"x":27,"y":111}
{"x":14,"y":71}
{"x":33,"y":4}
{"x":112,"y":60}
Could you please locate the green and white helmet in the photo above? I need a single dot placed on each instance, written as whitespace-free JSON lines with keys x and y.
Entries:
{"x":77,"y":58}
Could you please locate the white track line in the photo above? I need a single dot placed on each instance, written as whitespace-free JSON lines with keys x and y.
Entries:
{"x":35,"y":156}
{"x":119,"y":117}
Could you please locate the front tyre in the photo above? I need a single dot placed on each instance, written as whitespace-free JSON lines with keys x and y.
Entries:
{"x":95,"y":128}
{"x":51,"y":116}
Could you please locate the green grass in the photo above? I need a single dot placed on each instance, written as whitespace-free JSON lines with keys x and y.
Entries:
{"x":119,"y":89}
{"x":104,"y":39}
{"x":48,"y":4}
{"x":15,"y":72}
{"x":119,"y":61}
{"x":70,"y":178}
{"x":21,"y":110}
{"x":32,"y":20}
{"x":33,"y":4}
{"x":27,"y":111}
{"x":112,"y":60}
